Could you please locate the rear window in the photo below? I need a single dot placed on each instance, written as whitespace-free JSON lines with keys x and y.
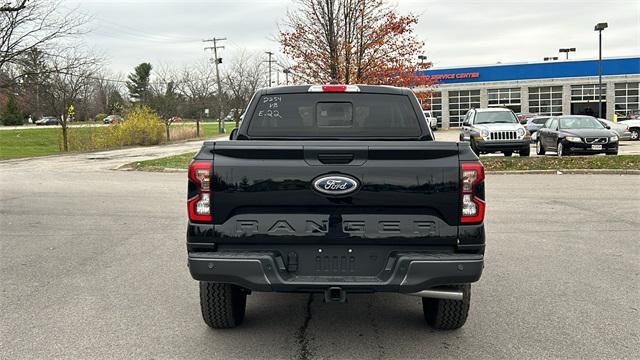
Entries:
{"x":334,"y":114}
{"x":539,"y":121}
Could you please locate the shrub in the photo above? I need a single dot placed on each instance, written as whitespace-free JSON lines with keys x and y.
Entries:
{"x":11,"y":114}
{"x":141,"y":126}
{"x":82,"y":138}
{"x":11,"y":120}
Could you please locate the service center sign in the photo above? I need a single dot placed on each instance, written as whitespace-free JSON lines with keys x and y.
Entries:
{"x":451,"y":76}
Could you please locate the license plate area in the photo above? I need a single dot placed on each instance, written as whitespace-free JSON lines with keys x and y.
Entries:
{"x":341,"y":261}
{"x":596,"y":147}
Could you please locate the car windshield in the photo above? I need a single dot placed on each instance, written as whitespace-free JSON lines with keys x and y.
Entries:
{"x":495,"y":117}
{"x":580,"y":123}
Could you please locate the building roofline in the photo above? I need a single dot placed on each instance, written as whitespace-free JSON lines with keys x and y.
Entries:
{"x":530,"y":63}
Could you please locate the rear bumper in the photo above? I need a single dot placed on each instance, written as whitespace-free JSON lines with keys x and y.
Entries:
{"x":403,"y":272}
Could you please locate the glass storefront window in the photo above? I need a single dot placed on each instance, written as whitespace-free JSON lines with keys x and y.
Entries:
{"x":546,"y":100}
{"x":626,"y":98}
{"x":459,"y":103}
{"x":435,"y":105}
{"x":586,"y":92}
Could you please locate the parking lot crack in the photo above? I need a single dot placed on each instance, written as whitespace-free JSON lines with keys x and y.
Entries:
{"x":304,"y":346}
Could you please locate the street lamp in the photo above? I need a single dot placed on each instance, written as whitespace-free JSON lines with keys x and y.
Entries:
{"x":567,"y":51}
{"x":599,"y":27}
{"x":422,"y":59}
{"x":286,"y":72}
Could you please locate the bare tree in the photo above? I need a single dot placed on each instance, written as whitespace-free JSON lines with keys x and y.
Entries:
{"x":71,"y":79}
{"x":37,"y":25}
{"x":242,"y":79}
{"x":12,"y":8}
{"x":164,"y":94}
{"x":197,"y":84}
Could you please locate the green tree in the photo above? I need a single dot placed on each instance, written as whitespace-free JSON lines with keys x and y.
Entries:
{"x":138,"y":83}
{"x":11,"y":115}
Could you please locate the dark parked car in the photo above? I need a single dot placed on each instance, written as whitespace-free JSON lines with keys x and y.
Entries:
{"x":335,"y":190}
{"x":576,"y":134}
{"x":47,"y":120}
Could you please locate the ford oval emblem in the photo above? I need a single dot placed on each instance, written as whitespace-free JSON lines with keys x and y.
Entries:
{"x":335,"y":184}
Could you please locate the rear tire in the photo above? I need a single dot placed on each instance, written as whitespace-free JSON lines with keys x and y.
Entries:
{"x":635,"y":134}
{"x":223,"y":305}
{"x":444,"y":314}
{"x":508,"y":153}
{"x":525,"y":151}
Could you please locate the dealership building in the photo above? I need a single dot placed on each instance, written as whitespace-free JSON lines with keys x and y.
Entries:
{"x":545,"y":88}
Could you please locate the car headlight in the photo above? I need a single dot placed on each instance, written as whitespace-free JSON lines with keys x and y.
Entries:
{"x":613,"y":139}
{"x":520,"y":132}
{"x":574,"y":139}
{"x":484,"y":133}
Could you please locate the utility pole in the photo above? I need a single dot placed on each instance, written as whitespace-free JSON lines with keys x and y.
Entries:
{"x":286,"y":72}
{"x":270,"y":62}
{"x":217,"y":61}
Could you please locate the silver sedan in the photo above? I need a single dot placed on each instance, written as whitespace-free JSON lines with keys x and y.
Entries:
{"x":621,"y":129}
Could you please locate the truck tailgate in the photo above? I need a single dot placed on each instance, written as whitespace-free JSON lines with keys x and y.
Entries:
{"x":408,"y":191}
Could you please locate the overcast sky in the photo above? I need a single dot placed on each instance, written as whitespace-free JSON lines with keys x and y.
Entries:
{"x":455,"y":32}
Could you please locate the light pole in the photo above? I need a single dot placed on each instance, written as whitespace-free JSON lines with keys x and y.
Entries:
{"x":422,"y":58}
{"x":286,"y":72}
{"x":599,"y":27}
{"x":567,"y":51}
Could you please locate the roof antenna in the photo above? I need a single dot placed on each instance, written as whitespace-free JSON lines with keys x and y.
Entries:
{"x":334,"y":82}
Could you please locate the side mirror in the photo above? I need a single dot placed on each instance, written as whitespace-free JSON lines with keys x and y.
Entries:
{"x":233,"y":134}
{"x":608,"y":127}
{"x":466,"y":123}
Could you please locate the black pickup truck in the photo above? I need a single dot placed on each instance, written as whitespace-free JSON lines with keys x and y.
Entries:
{"x":335,"y":189}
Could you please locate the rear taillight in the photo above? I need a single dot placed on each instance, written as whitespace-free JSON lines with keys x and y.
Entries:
{"x":199,"y":196}
{"x":472,"y":186}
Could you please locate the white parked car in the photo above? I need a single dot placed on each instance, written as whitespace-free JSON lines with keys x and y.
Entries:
{"x":431,"y":120}
{"x":634,"y":128}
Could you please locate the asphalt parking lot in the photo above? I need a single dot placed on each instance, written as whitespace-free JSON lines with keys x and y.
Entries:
{"x":93,"y":265}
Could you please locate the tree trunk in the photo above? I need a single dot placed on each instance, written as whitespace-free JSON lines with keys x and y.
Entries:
{"x":168,"y":137}
{"x":65,"y":141}
{"x":198,"y":126}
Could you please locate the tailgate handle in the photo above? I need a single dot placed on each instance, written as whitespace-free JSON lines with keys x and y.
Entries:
{"x":334,"y":158}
